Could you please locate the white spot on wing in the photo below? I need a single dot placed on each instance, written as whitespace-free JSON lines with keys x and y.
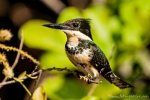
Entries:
{"x":96,"y":65}
{"x":102,"y":70}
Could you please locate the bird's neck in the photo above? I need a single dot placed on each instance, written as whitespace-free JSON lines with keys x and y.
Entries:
{"x":72,"y":41}
{"x":74,"y":37}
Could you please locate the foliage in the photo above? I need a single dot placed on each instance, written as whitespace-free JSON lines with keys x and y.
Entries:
{"x":125,"y":23}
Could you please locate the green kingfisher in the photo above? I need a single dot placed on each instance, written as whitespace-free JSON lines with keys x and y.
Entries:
{"x":85,"y":54}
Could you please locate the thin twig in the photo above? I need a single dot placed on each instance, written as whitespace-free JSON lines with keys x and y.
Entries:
{"x":17,"y":57}
{"x":23,"y":78}
{"x":20,"y":48}
{"x":34,"y":69}
{"x":36,"y":73}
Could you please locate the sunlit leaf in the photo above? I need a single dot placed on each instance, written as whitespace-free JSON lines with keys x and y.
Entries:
{"x":40,"y":37}
{"x":39,"y":94}
{"x":22,"y":74}
{"x":52,"y":85}
{"x":50,"y":59}
{"x":99,"y":25}
{"x":69,"y":13}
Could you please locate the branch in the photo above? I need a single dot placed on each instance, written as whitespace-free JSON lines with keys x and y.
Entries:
{"x":37,"y":73}
{"x":23,"y":78}
{"x":18,"y":54}
{"x":40,"y":71}
{"x":17,"y":57}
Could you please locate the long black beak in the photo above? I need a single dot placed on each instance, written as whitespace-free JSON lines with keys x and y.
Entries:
{"x":57,"y":26}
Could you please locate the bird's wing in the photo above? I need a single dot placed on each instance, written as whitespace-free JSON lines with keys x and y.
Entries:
{"x":100,"y":62}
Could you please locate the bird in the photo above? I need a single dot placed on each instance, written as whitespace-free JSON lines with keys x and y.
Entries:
{"x":85,"y":54}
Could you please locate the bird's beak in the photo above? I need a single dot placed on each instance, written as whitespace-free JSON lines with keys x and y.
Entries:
{"x":57,"y":26}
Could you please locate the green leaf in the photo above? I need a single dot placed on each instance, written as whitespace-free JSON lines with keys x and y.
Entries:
{"x":69,"y":13}
{"x":20,"y":81}
{"x":39,"y":94}
{"x":53,"y":84}
{"x":50,"y":59}
{"x":22,"y":74}
{"x":71,"y":89}
{"x":43,"y":38}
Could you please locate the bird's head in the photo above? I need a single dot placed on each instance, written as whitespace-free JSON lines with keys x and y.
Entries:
{"x":79,"y":27}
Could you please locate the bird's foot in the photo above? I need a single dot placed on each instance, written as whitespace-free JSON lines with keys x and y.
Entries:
{"x":84,"y":78}
{"x":93,"y":80}
{"x":89,"y":81}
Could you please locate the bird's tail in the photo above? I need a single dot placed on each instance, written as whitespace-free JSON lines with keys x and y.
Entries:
{"x":112,"y":78}
{"x":120,"y":83}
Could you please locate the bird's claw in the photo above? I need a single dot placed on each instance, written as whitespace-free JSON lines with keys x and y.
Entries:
{"x":84,"y":78}
{"x":90,"y":80}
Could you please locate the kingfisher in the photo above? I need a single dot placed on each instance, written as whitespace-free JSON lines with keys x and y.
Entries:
{"x":85,"y":54}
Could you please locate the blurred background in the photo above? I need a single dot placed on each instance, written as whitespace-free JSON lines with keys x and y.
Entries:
{"x":124,"y":24}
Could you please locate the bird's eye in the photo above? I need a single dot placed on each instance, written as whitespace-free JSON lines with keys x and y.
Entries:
{"x":75,"y":24}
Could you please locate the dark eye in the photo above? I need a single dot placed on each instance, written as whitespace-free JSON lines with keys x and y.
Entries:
{"x":75,"y":24}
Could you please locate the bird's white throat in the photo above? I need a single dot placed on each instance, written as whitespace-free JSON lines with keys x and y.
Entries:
{"x":78,"y":34}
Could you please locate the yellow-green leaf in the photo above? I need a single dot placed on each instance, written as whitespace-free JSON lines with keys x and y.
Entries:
{"x":22,"y":74}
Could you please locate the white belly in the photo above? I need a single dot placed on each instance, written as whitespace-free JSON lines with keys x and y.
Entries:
{"x":82,"y":62}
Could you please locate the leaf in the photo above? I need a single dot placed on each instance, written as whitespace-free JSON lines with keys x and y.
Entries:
{"x":43,"y":38}
{"x":69,"y":13}
{"x":39,"y":94}
{"x":20,"y":81}
{"x":71,"y":89}
{"x":22,"y":74}
{"x":53,"y":84}
{"x":32,"y":77}
{"x":50,"y":59}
